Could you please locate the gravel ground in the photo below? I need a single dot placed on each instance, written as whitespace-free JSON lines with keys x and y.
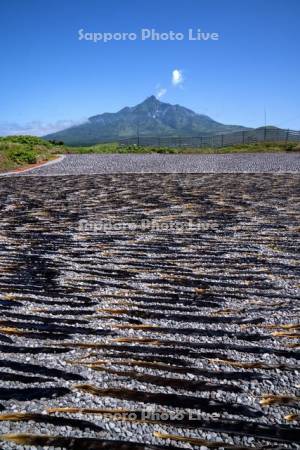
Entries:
{"x":155,"y":163}
{"x":162,"y":320}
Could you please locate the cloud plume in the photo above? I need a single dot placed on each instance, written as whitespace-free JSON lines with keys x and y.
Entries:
{"x":177,"y":77}
{"x":161,"y":92}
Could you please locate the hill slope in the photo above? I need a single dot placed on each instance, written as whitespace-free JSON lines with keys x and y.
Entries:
{"x":149,"y":118}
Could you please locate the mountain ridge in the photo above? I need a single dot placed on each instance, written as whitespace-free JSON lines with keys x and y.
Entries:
{"x":148,"y":118}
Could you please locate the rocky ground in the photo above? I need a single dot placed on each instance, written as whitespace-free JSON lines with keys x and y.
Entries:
{"x":160,"y":163}
{"x":152,"y":336}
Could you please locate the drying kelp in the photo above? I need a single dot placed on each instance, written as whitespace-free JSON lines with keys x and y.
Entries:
{"x":292,"y":417}
{"x":269,"y":399}
{"x":40,"y":370}
{"x":151,"y":308}
{"x":131,"y":340}
{"x":133,"y":351}
{"x":47,"y":419}
{"x":127,"y":326}
{"x":183,"y":346}
{"x":180,"y":317}
{"x":198,"y":442}
{"x":253,"y":365}
{"x":193,"y":370}
{"x":168,"y":300}
{"x":5,"y":304}
{"x":25,"y":394}
{"x":48,"y":327}
{"x":286,"y":334}
{"x":280,"y":433}
{"x":5,"y":339}
{"x":289,"y":326}
{"x":12,"y":330}
{"x":152,"y":359}
{"x":294,"y":345}
{"x":178,"y":401}
{"x":16,"y":377}
{"x":32,"y":350}
{"x":74,"y":443}
{"x":48,"y":319}
{"x":194,"y":331}
{"x":176,"y":383}
{"x":101,"y":411}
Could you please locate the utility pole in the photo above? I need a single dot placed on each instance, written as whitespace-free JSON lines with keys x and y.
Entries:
{"x":265,"y":129}
{"x":265,"y":111}
{"x":138,"y":132}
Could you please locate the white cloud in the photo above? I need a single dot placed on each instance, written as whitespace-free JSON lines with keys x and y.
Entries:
{"x":36,"y":128}
{"x":160,"y":92}
{"x":177,"y":77}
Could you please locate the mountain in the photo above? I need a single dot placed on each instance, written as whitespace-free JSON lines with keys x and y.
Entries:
{"x":149,"y":118}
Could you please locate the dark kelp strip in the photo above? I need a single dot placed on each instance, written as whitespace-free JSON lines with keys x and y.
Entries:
{"x":176,"y":383}
{"x":33,"y":350}
{"x":219,"y":375}
{"x":16,"y":377}
{"x":236,"y":347}
{"x":53,"y":420}
{"x":41,"y":370}
{"x":151,"y":359}
{"x":52,"y":328}
{"x":178,"y":401}
{"x":199,"y":332}
{"x":26,"y":394}
{"x":6,"y":339}
{"x":158,"y":350}
{"x":74,"y":443}
{"x":280,"y":433}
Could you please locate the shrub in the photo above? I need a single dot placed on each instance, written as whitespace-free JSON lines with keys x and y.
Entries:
{"x":23,"y":155}
{"x":293,"y":147}
{"x":289,"y":147}
{"x":30,"y":141}
{"x":54,"y":142}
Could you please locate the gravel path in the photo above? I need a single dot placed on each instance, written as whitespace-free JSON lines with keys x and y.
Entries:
{"x":175,"y":321}
{"x":155,"y":163}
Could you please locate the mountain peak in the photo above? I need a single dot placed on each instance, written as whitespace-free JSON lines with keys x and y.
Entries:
{"x":152,"y":97}
{"x":151,"y":100}
{"x":155,"y":118}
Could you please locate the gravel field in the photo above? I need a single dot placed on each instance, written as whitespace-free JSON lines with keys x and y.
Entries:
{"x":156,"y":163}
{"x":197,"y":323}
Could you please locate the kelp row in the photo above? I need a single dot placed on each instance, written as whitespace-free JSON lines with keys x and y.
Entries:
{"x":193,"y":312}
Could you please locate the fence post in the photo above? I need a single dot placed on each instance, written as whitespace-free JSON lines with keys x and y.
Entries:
{"x":265,"y":133}
{"x":287,"y":135}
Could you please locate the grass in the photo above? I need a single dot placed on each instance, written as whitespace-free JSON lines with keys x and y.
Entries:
{"x":23,"y":151}
{"x":241,"y":148}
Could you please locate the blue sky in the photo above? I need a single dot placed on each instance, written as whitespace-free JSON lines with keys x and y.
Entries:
{"x":50,"y":79}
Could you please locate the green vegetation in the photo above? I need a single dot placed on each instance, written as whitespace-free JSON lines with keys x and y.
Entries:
{"x":100,"y":148}
{"x":20,"y":151}
{"x":241,"y":148}
{"x":259,"y":147}
{"x":29,"y":141}
{"x":22,"y":155}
